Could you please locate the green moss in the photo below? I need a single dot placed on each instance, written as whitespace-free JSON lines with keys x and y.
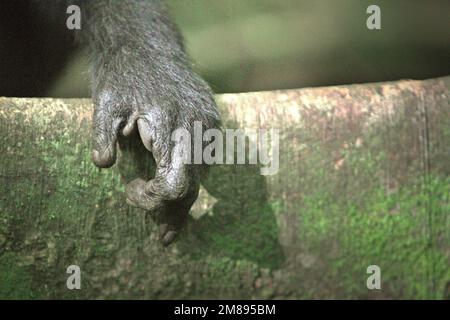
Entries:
{"x":349,"y":217}
{"x":242,"y":224}
{"x":405,"y":231}
{"x":232,"y":278}
{"x":15,"y":281}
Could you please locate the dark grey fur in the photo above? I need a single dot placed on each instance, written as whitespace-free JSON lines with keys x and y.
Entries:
{"x":141,"y":77}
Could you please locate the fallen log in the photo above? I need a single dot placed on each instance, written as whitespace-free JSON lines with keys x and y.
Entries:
{"x":363,"y":180}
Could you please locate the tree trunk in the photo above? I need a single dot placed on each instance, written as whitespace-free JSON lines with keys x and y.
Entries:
{"x":363,"y":180}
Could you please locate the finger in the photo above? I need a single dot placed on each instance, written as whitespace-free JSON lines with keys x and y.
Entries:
{"x":174,"y":188}
{"x":172,"y":222}
{"x":136,"y":196}
{"x":131,"y":124}
{"x":104,"y":138}
{"x":146,"y":133}
{"x":173,"y":177}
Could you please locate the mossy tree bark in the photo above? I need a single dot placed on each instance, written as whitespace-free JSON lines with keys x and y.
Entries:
{"x":363,"y":180}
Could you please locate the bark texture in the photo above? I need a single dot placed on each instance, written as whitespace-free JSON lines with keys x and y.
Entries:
{"x":363,"y":180}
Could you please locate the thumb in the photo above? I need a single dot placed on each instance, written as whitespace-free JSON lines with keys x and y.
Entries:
{"x":104,"y":138}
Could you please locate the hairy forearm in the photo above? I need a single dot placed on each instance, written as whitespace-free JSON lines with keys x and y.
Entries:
{"x":143,"y":89}
{"x":138,"y":25}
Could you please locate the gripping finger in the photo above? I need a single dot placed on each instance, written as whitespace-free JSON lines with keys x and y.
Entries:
{"x":173,"y":179}
{"x":104,"y":138}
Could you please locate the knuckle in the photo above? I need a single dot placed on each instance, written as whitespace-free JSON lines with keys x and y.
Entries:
{"x":167,"y":189}
{"x":177,"y":192}
{"x":177,"y":185}
{"x":105,"y":97}
{"x":108,"y":102}
{"x":104,"y":159}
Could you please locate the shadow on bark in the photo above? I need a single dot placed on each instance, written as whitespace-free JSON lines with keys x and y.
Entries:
{"x":241,"y":225}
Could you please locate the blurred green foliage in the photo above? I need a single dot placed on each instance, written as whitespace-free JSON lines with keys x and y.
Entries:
{"x":256,"y":45}
{"x":269,"y":44}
